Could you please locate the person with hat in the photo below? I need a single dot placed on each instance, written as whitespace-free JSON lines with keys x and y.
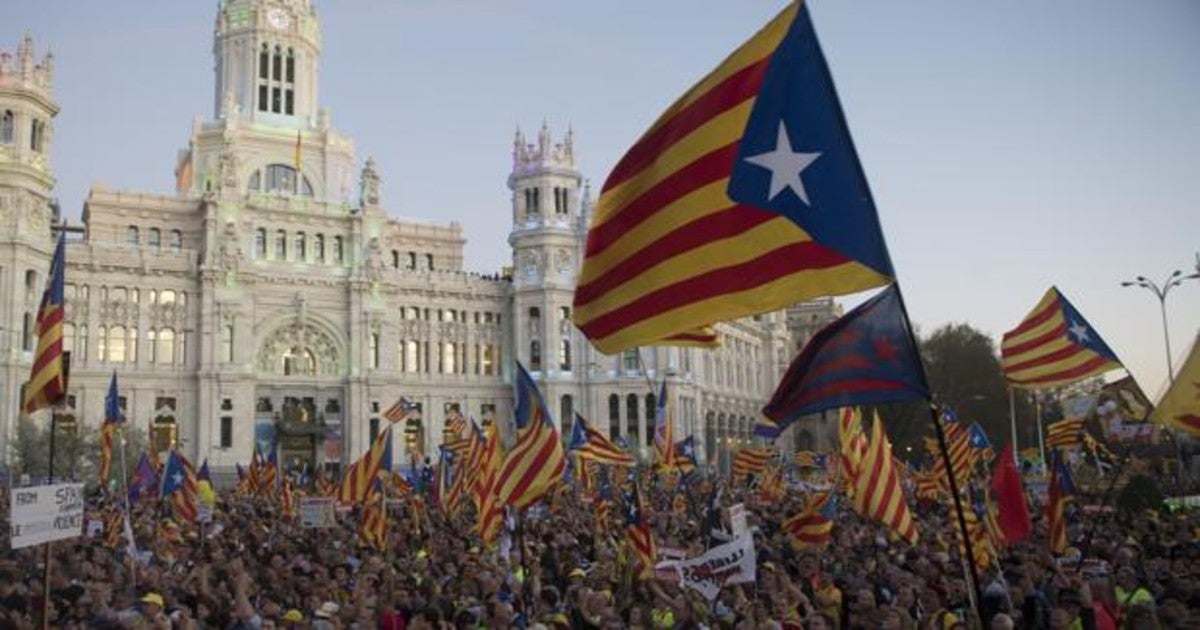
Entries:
{"x":292,"y":619}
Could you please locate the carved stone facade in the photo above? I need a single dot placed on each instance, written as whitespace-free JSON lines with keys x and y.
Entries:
{"x":269,"y":295}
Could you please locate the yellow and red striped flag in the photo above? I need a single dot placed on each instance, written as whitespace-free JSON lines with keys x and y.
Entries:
{"x":664,"y":432}
{"x":877,"y":491}
{"x":360,"y":476}
{"x":1054,"y":346}
{"x":1180,"y":406}
{"x":713,"y":215}
{"x":751,"y":461}
{"x":537,"y":460}
{"x":372,"y":525}
{"x":813,"y":526}
{"x":47,"y":380}
{"x":489,"y":509}
{"x":852,"y":439}
{"x":593,"y":446}
{"x":113,"y":417}
{"x":639,"y":535}
{"x":287,"y":499}
{"x":1060,"y":491}
{"x":455,"y":425}
{"x":1065,"y":434}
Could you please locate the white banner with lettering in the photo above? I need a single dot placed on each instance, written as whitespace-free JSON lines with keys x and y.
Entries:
{"x":318,"y":512}
{"x":46,"y":513}
{"x":731,"y":563}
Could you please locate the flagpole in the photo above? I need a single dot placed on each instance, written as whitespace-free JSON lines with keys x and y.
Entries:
{"x":973,"y":574}
{"x":1037,"y":407}
{"x":1012,"y":416}
{"x":128,"y":512}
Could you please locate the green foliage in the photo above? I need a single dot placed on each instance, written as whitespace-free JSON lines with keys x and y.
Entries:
{"x":76,"y":452}
{"x":1141,"y":493}
{"x":963,"y":368}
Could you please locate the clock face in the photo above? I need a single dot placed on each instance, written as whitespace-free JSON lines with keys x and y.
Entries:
{"x":278,"y":18}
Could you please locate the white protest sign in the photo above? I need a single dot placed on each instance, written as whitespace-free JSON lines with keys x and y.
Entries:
{"x":731,"y":563}
{"x":318,"y":512}
{"x":737,"y":519}
{"x":46,"y":513}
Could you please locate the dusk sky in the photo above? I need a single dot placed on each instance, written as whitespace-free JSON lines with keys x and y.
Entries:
{"x":1009,"y":146}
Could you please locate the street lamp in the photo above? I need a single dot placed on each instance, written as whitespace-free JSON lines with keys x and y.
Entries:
{"x":1160,"y":291}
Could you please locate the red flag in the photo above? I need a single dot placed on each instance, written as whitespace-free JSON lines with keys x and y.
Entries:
{"x":1013,"y":514}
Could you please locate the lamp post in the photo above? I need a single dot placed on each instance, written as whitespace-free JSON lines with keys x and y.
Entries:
{"x":1161,"y":291}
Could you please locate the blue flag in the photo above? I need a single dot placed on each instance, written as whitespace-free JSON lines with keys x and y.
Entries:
{"x":145,"y":480}
{"x":796,"y":156}
{"x":112,"y":402}
{"x":865,"y":357}
{"x":977,"y":437}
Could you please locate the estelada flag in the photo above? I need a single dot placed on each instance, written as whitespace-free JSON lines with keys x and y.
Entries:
{"x":1180,"y":406}
{"x":1054,"y":346}
{"x":745,"y":196}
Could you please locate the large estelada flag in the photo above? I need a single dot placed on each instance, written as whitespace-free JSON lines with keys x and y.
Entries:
{"x":745,"y":196}
{"x":1054,"y":346}
{"x":592,"y":445}
{"x":47,"y":380}
{"x":865,"y":357}
{"x":1180,"y":406}
{"x":360,"y":476}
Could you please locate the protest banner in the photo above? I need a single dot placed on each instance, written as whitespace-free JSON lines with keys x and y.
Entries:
{"x":45,"y":513}
{"x":316,"y":512}
{"x":731,"y":563}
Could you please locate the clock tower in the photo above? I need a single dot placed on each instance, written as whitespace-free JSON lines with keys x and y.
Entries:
{"x":266,"y":53}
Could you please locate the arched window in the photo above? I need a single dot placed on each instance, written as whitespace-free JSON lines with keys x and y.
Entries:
{"x":412,"y":260}
{"x":260,"y":243}
{"x":373,"y":350}
{"x":299,"y":362}
{"x":566,"y":416}
{"x":280,"y":245}
{"x":535,"y":355}
{"x":176,"y":241}
{"x":300,"y":246}
{"x":614,"y":416}
{"x":319,"y":248}
{"x":281,"y":179}
{"x":7,"y":127}
{"x":337,"y":250}
{"x":429,"y":261}
{"x":395,"y":259}
{"x":131,"y":235}
{"x":155,"y":239}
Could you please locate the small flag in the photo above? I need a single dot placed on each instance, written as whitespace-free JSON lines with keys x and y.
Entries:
{"x":401,"y":410}
{"x":865,"y":357}
{"x":1013,"y":516}
{"x":455,"y":425}
{"x":1060,"y":491}
{"x":1065,"y":434}
{"x":113,"y":417}
{"x":1054,"y":346}
{"x":813,"y":526}
{"x":360,"y":476}
{"x":638,"y":534}
{"x":47,"y":380}
{"x":179,"y":486}
{"x":751,"y":461}
{"x":145,"y":479}
{"x":664,"y":433}
{"x":685,"y":454}
{"x":593,"y":445}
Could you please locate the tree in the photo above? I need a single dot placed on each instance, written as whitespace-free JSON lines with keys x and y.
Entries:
{"x":963,"y":368}
{"x":76,"y":450}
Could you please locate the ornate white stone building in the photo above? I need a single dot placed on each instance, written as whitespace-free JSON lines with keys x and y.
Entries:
{"x":272,"y":294}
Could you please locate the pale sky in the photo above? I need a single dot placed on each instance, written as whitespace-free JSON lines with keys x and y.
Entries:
{"x":1009,"y":146}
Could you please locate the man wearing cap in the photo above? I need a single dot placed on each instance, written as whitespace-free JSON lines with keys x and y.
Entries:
{"x":292,"y":619}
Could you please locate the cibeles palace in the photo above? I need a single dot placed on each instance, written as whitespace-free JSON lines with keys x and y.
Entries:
{"x":274,"y":295}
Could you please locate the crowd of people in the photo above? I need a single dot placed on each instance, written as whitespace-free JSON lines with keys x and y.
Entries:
{"x":565,"y":564}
